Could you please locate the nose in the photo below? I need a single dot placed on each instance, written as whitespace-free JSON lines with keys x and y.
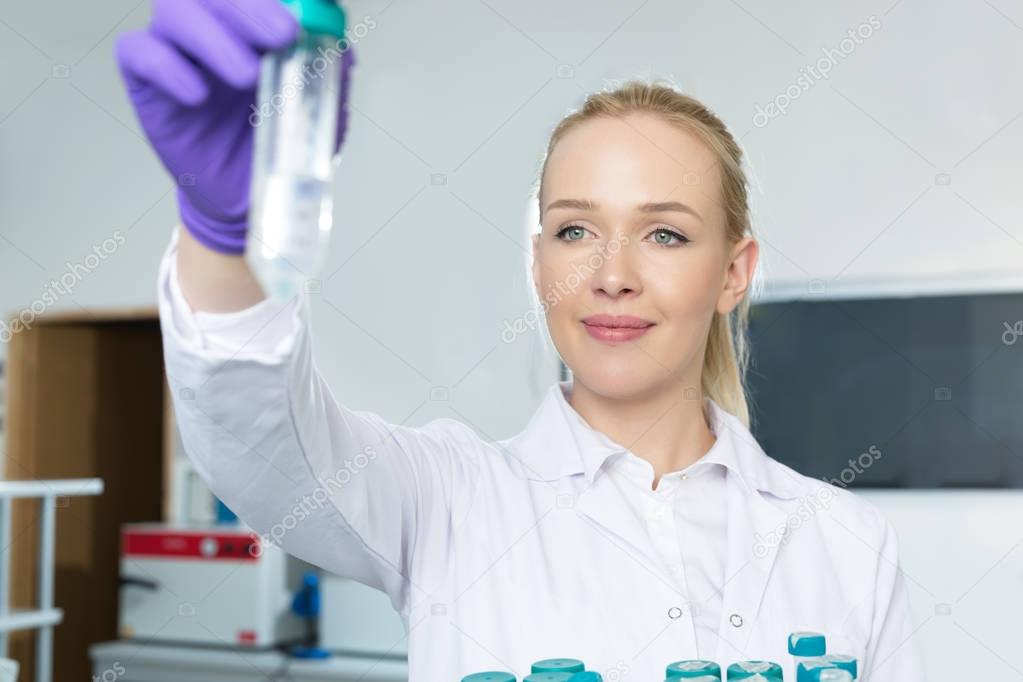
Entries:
{"x":615,"y":271}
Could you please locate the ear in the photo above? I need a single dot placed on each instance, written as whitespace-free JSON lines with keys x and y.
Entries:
{"x":739,"y":275}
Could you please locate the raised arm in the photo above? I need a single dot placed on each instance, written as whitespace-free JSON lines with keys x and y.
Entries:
{"x":343,"y":489}
{"x":340,"y":488}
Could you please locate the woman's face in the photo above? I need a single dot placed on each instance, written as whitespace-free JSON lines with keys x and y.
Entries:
{"x":633,"y":228}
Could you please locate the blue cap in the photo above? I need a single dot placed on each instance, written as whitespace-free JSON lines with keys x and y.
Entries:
{"x":558,"y":665}
{"x":807,"y":644}
{"x":586,"y":676}
{"x":844,"y":662}
{"x":547,"y":677}
{"x":489,"y":677}
{"x":685,"y":670}
{"x":810,"y":669}
{"x":746,"y":669}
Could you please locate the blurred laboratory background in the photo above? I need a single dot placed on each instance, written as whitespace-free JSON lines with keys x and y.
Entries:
{"x":885,"y":146}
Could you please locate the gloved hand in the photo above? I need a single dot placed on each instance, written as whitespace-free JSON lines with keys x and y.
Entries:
{"x":192,"y":77}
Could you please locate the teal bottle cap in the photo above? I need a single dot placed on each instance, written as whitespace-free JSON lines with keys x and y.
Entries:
{"x":687,"y":670}
{"x":806,"y":644}
{"x":755,"y":669}
{"x":701,"y":678}
{"x":810,"y":669}
{"x":586,"y":676}
{"x":844,"y":662}
{"x":489,"y":677}
{"x":319,"y":16}
{"x":835,"y":675}
{"x":547,"y":677}
{"x":558,"y":665}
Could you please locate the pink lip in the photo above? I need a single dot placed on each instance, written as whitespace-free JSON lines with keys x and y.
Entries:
{"x":614,"y":329}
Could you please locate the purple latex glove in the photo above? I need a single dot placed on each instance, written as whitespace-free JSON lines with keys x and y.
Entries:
{"x":192,"y":77}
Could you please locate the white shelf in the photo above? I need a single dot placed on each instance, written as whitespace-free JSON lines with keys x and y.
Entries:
{"x":66,"y":487}
{"x":29,"y":619}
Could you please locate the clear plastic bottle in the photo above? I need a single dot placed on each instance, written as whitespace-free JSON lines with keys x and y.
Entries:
{"x":558,"y":665}
{"x":295,"y":120}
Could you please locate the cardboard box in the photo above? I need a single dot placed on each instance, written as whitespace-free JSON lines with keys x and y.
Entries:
{"x":86,"y":397}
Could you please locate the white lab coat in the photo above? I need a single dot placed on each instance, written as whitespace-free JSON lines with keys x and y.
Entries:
{"x":498,"y":554}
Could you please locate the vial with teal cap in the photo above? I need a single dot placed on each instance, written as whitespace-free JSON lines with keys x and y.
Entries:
{"x":755,"y":670}
{"x":490,"y":677}
{"x":804,"y":645}
{"x":558,"y":665}
{"x":811,"y":669}
{"x":295,"y":121}
{"x":548,"y":677}
{"x":694,"y":669}
{"x":844,"y":662}
{"x":835,"y":675}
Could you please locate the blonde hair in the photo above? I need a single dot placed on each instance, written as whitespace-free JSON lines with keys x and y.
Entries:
{"x":723,"y":378}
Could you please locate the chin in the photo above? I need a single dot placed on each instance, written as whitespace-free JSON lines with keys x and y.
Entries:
{"x":620,"y":379}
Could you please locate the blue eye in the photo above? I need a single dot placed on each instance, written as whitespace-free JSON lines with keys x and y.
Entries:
{"x":682,"y":239}
{"x":579,"y":229}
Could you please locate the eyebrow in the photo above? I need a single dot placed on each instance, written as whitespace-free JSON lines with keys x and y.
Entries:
{"x":649,"y":207}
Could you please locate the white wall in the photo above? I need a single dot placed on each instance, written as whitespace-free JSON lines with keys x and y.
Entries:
{"x":960,"y":552}
{"x":895,"y":174}
{"x":846,"y":199}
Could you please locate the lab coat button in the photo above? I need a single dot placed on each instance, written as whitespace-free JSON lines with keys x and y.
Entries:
{"x":736,"y":620}
{"x":674,"y":613}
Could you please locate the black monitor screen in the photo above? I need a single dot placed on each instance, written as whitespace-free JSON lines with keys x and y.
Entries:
{"x":895,"y":393}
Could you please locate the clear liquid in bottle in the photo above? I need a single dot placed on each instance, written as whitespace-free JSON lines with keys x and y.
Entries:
{"x":291,"y":203}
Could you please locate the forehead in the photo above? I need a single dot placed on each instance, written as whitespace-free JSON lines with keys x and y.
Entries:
{"x":625,"y":161}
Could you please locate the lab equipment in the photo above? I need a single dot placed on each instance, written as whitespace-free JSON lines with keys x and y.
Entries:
{"x":844,"y":662}
{"x":296,"y":123}
{"x":811,"y":669}
{"x":804,"y":645}
{"x":757,"y":670}
{"x":835,"y":675}
{"x":306,"y":605}
{"x":560,"y":665}
{"x":214,"y":585}
{"x":557,"y":673}
{"x":687,"y":670}
{"x":177,"y":105}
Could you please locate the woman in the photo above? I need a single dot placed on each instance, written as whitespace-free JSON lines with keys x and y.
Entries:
{"x":635,"y":521}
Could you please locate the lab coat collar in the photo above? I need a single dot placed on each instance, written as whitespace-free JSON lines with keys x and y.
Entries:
{"x":558,"y":442}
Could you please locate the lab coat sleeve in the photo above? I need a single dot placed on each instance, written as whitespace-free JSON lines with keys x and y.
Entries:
{"x":339,"y":488}
{"x":892,"y":654}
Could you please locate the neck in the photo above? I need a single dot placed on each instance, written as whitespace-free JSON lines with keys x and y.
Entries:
{"x":663,"y":426}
